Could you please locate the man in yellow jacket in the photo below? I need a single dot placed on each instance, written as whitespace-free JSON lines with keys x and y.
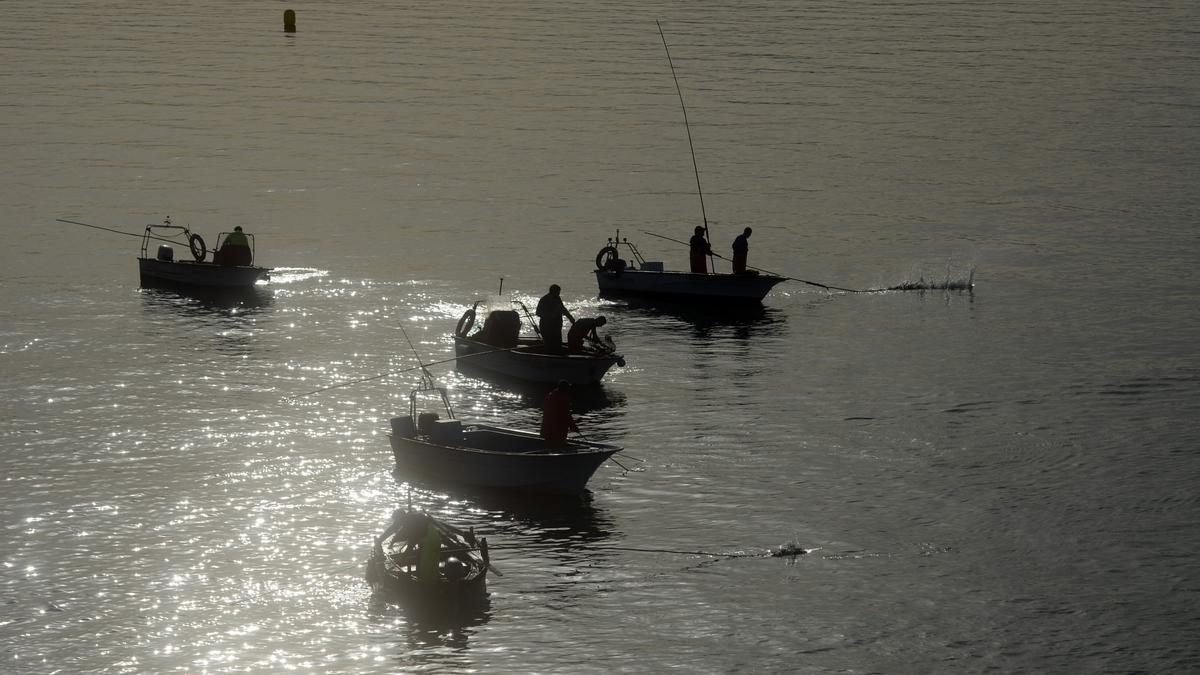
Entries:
{"x":235,"y":250}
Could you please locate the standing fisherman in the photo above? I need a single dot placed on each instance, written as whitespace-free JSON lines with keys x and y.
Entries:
{"x":700,"y":249}
{"x":741,"y":247}
{"x":556,"y":415}
{"x":550,"y":311}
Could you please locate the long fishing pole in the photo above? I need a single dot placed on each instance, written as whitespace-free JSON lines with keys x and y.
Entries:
{"x":395,"y":372}
{"x":416,"y":354}
{"x":695,"y":166}
{"x":127,"y":234}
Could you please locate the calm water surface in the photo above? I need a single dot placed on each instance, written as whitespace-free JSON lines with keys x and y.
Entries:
{"x":997,"y":481}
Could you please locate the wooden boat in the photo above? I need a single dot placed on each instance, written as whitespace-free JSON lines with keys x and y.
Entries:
{"x":498,"y":348}
{"x":223,"y":271}
{"x":490,"y":457}
{"x":638,"y":277}
{"x":395,"y":566}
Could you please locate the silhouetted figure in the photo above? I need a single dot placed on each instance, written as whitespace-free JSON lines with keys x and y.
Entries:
{"x":235,"y":250}
{"x":699,"y":250}
{"x":741,"y":247}
{"x":556,"y":415}
{"x":581,"y":330}
{"x":550,"y":311}
{"x":419,"y":531}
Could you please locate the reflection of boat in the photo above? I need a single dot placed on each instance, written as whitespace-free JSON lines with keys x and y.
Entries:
{"x":498,"y":348}
{"x":201,"y":297}
{"x":488,"y":456}
{"x":755,"y":318}
{"x":231,"y":268}
{"x":422,"y":561}
{"x":638,"y":277}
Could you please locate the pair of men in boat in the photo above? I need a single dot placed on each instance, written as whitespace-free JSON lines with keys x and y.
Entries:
{"x":551,"y":310}
{"x":700,"y":250}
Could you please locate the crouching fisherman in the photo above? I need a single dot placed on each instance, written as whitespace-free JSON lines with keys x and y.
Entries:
{"x":583,"y":329}
{"x":418,"y":531}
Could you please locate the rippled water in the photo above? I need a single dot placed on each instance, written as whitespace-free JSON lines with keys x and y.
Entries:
{"x":997,"y":481}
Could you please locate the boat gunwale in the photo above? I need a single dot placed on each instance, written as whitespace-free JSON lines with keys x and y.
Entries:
{"x":586,"y":448}
{"x":527,"y":350}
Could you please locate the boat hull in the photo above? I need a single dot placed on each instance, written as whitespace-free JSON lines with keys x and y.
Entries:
{"x":527,"y":364}
{"x":686,"y":286}
{"x":199,"y":274}
{"x":513,"y":460}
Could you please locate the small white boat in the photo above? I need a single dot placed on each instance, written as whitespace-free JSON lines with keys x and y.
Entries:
{"x":164,"y":269}
{"x":638,"y":277}
{"x":490,"y":457}
{"x":498,"y":348}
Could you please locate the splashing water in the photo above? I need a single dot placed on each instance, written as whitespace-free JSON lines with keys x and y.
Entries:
{"x":947,"y":284}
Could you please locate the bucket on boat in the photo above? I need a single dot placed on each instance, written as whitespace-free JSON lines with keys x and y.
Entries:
{"x":446,"y":432}
{"x":403,"y":426}
{"x":166,"y":253}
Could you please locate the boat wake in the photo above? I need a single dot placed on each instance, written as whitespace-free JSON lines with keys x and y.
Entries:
{"x":288,"y":275}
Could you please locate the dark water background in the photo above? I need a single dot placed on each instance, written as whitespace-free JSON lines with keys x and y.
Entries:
{"x":1004,"y":481}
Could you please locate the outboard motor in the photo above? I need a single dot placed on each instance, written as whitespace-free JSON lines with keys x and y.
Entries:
{"x":166,"y":253}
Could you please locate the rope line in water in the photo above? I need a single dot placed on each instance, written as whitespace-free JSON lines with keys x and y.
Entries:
{"x":920,"y":285}
{"x":787,"y":550}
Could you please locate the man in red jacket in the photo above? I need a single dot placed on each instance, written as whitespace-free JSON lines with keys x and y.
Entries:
{"x":556,"y":415}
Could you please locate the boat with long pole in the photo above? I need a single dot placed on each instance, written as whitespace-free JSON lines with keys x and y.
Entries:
{"x":231,"y":267}
{"x":635,"y":276}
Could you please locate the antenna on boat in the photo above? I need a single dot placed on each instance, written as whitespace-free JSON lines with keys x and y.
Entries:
{"x":695,"y":167}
